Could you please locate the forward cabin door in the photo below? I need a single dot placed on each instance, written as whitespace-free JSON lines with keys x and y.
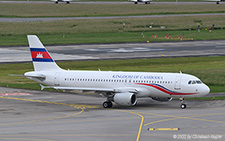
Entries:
{"x":177,"y":85}
{"x":56,"y":79}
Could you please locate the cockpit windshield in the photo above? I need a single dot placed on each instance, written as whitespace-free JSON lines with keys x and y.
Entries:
{"x":194,"y":82}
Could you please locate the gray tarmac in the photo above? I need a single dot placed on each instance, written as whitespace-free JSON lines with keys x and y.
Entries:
{"x":103,"y":17}
{"x":48,"y":19}
{"x":54,"y":116}
{"x":119,"y":51}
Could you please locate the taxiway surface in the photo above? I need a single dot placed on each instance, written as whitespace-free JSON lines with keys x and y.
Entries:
{"x":119,"y":51}
{"x":53,"y":116}
{"x":43,"y":19}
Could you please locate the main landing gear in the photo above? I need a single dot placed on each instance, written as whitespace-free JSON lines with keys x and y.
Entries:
{"x":182,"y":105}
{"x":107,"y":104}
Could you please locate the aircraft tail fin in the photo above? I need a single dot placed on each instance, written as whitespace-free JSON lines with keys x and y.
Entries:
{"x":42,"y":60}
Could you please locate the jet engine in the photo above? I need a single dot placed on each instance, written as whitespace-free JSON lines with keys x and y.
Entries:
{"x":162,"y":99}
{"x":125,"y":99}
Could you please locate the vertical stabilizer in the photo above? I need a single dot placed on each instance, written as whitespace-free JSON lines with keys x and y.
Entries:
{"x":42,"y":60}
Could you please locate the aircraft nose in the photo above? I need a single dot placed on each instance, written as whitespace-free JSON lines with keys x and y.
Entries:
{"x":205,"y":90}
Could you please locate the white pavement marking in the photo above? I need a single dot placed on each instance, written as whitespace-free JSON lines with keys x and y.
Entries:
{"x":14,"y":94}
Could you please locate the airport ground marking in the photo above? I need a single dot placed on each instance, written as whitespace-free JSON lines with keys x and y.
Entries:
{"x":66,"y":135}
{"x":178,"y":117}
{"x":77,"y":106}
{"x":81,"y":107}
{"x":163,"y":129}
{"x":25,"y":139}
{"x":15,"y":94}
{"x":141,"y":124}
{"x":160,"y":121}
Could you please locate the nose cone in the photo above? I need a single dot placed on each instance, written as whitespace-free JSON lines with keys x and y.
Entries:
{"x":205,"y":90}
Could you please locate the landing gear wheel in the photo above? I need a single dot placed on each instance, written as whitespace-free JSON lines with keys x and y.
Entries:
{"x":107,"y":104}
{"x":183,"y":106}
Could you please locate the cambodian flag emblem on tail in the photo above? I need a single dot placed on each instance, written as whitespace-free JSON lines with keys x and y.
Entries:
{"x":40,"y":55}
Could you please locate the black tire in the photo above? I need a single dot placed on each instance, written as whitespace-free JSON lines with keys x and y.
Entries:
{"x":56,"y":2}
{"x":217,"y":2}
{"x":107,"y":104}
{"x":135,"y":3}
{"x":183,"y":106}
{"x":67,"y":2}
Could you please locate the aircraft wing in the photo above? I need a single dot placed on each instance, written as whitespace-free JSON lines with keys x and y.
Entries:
{"x":115,"y":90}
{"x":84,"y":89}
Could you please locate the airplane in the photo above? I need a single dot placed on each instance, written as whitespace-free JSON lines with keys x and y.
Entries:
{"x":122,"y":88}
{"x":144,"y":1}
{"x":57,"y":1}
{"x":217,"y":1}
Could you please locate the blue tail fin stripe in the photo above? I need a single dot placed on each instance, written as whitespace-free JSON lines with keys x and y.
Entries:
{"x":42,"y":60}
{"x":38,"y":49}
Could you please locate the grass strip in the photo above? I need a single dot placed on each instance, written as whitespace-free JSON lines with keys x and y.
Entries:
{"x":114,"y":30}
{"x":93,"y":10}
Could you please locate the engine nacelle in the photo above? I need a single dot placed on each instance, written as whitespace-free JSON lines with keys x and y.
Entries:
{"x":125,"y":99}
{"x":162,"y":99}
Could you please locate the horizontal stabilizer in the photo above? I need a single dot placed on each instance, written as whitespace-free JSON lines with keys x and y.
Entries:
{"x":33,"y":76}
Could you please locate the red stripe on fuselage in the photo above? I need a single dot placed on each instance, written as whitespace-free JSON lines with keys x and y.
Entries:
{"x":44,"y":55}
{"x":164,"y":90}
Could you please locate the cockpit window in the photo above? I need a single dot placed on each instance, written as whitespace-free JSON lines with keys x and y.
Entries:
{"x":194,"y":82}
{"x":199,"y":82}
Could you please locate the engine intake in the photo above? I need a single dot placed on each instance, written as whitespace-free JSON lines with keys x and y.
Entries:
{"x":125,"y":99}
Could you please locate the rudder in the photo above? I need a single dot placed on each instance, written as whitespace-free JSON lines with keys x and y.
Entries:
{"x":42,"y":60}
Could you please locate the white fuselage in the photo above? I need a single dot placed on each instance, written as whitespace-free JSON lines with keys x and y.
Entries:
{"x":147,"y":84}
{"x":122,"y":88}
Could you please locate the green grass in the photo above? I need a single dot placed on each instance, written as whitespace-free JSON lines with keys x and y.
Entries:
{"x":209,"y":69}
{"x":112,"y":30}
{"x":84,"y":38}
{"x":108,"y":30}
{"x":92,"y":10}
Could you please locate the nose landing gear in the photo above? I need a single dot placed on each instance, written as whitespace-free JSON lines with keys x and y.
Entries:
{"x":182,"y":105}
